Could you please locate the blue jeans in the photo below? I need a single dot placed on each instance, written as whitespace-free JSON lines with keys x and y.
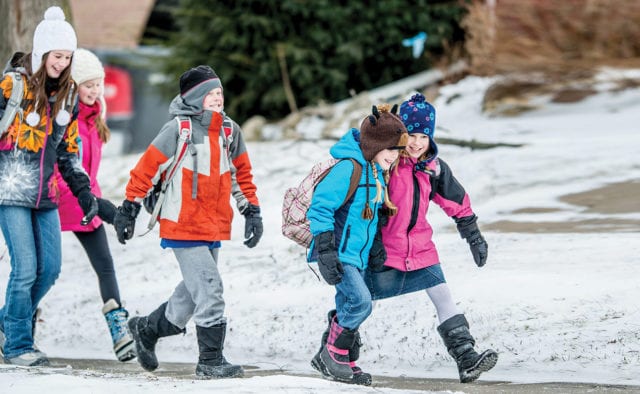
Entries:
{"x":353,"y":300}
{"x":34,"y":243}
{"x":390,"y":282}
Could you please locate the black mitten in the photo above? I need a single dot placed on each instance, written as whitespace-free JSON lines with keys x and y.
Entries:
{"x":125,"y":220}
{"x":377,"y":254}
{"x":106,"y":210}
{"x":252,"y":225}
{"x":468,"y":229}
{"x":89,"y":206}
{"x":328,"y":261}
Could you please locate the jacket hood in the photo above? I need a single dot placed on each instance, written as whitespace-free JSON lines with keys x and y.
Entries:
{"x":179,"y":107}
{"x":13,"y":64}
{"x":348,"y":147}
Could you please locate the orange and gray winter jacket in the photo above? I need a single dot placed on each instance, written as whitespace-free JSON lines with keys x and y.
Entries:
{"x":223,"y":169}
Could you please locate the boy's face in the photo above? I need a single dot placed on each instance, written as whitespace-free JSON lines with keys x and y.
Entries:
{"x":214,"y":100}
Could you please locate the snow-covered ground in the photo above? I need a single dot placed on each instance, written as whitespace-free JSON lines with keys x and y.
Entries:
{"x":556,"y":306}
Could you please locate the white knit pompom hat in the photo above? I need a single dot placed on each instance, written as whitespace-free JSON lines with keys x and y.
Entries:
{"x":86,"y":66}
{"x":53,"y":33}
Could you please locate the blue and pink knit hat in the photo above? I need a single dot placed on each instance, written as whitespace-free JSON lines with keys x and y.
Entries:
{"x":419,"y":117}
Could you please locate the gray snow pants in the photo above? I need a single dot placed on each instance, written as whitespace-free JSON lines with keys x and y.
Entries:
{"x":199,"y":294}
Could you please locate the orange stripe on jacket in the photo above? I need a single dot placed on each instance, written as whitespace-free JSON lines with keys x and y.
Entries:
{"x":244,"y":177}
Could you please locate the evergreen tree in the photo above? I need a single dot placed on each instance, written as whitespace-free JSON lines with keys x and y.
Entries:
{"x":326,"y":48}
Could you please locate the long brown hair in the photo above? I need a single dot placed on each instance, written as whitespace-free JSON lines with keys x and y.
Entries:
{"x":37,"y":85}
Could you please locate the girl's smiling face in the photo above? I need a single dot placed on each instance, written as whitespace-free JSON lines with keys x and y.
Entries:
{"x":417,"y":145}
{"x":386,"y":157}
{"x":57,"y":61}
{"x":89,"y":91}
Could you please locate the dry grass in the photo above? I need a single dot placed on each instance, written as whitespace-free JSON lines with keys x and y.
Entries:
{"x":554,"y":37}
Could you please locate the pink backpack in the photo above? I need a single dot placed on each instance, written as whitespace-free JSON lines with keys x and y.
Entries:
{"x":297,"y":200}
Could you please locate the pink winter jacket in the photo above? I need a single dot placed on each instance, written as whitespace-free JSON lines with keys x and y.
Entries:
{"x":91,"y":150}
{"x":407,"y":235}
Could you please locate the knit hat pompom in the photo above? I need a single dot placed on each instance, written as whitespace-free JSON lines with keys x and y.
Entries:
{"x":86,"y":66}
{"x":381,"y":130}
{"x":52,"y":33}
{"x":418,"y":115}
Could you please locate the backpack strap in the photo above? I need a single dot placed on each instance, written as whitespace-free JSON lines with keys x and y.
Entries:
{"x":184,"y":140}
{"x":13,"y":107}
{"x":186,"y":130}
{"x":354,"y":181}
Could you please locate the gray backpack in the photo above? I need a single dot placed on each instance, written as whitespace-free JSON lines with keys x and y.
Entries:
{"x":13,"y":107}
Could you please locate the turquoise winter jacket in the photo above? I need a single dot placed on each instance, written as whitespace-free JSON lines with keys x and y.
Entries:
{"x":353,"y":234}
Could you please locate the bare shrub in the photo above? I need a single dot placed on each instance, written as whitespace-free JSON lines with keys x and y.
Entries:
{"x":554,"y":37}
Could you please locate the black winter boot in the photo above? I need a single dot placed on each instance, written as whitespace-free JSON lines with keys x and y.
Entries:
{"x":211,"y":363}
{"x":359,"y":376}
{"x":333,"y":359}
{"x":459,"y":342}
{"x":146,"y":330}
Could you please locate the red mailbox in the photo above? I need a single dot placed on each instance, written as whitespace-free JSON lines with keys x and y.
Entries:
{"x":118,"y":93}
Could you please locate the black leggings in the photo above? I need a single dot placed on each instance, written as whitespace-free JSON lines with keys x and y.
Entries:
{"x":97,"y":248}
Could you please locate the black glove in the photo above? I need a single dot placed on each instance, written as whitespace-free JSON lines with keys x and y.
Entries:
{"x":125,"y":220}
{"x":468,"y":230}
{"x":252,"y":225}
{"x":328,"y":261}
{"x":377,"y":254}
{"x":89,"y":206}
{"x":106,"y":210}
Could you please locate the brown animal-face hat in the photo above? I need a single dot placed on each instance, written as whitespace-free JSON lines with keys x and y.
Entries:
{"x":381,"y":130}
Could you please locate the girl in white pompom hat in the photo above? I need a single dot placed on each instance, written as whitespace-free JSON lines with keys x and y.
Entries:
{"x":43,"y":135}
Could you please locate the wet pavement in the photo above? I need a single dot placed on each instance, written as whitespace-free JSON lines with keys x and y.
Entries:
{"x":186,"y":371}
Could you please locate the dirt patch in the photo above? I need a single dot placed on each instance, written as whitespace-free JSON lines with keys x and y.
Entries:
{"x":610,"y":199}
{"x":615,"y":198}
{"x":579,"y":226}
{"x":572,"y":95}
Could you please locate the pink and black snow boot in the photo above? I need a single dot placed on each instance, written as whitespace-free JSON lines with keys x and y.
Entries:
{"x":359,"y":377}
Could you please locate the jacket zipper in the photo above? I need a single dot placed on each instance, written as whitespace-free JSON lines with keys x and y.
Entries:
{"x":416,"y":202}
{"x":44,"y":148}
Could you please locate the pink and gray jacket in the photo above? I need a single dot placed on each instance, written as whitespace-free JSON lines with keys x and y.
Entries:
{"x":407,"y":237}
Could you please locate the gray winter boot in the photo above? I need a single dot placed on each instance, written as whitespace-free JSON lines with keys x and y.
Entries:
{"x":459,"y":342}
{"x":116,"y":317}
{"x":146,"y":330}
{"x":211,"y":363}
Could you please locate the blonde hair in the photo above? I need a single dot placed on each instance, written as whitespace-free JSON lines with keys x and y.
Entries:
{"x":393,"y":209}
{"x":367,"y":213}
{"x":103,"y":130}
